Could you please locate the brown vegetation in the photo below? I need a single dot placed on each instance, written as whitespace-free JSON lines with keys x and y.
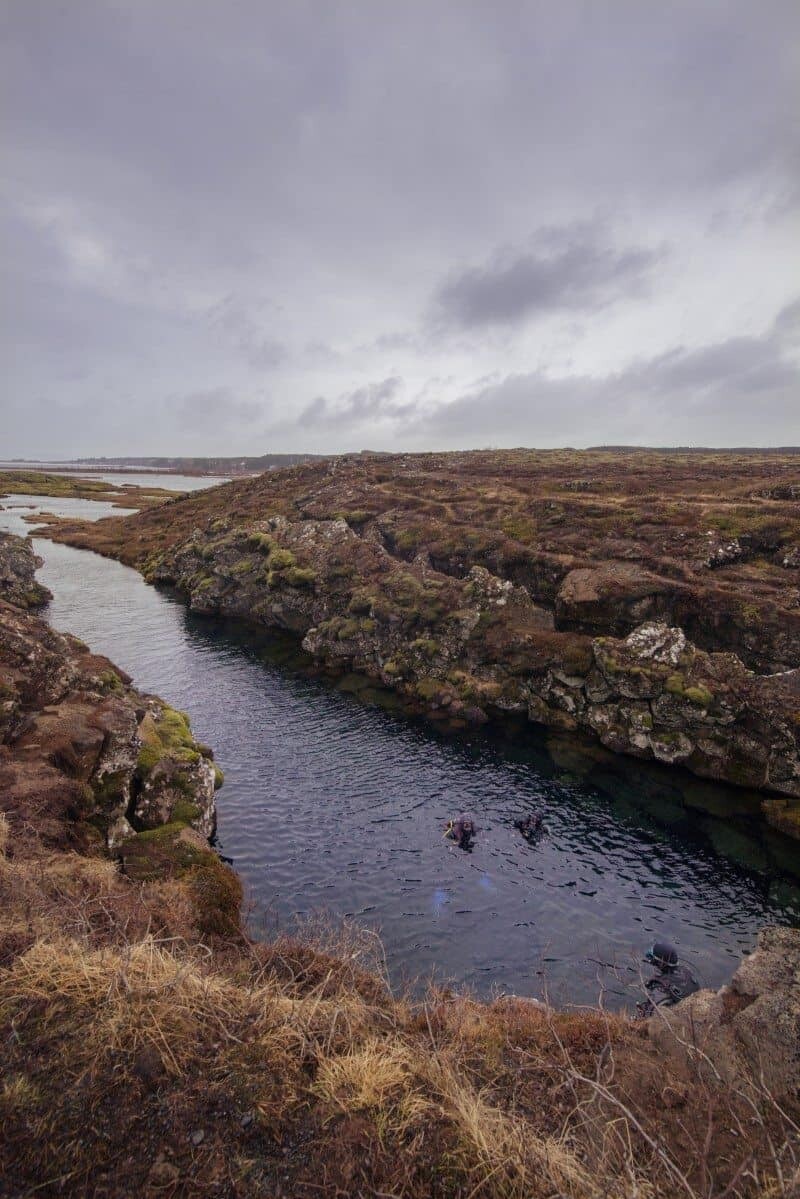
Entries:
{"x":142,"y":1056}
{"x":478,"y":584}
{"x":149,"y":1047}
{"x":126,"y":495}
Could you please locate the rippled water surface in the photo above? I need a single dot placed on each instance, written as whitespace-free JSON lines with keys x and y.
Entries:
{"x":333,"y":803}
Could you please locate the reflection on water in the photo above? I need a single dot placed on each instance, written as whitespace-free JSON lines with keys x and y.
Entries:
{"x":333,"y":803}
{"x":146,"y":478}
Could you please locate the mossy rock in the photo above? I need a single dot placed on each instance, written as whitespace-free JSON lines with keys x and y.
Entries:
{"x":174,"y":851}
{"x":695,"y":693}
{"x":245,"y":566}
{"x":110,"y":789}
{"x":426,"y":646}
{"x":261,"y":541}
{"x":280,"y":559}
{"x":431,"y":689}
{"x":168,"y":737}
{"x":111,"y":683}
{"x":300,"y":576}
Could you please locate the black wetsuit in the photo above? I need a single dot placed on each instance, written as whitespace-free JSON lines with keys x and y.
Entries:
{"x":530,"y":827}
{"x":670,"y":986}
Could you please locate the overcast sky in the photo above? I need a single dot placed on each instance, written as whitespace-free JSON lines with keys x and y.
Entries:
{"x":244,"y":226}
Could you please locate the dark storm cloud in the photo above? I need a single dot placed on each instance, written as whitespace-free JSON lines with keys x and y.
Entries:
{"x":576,"y":272}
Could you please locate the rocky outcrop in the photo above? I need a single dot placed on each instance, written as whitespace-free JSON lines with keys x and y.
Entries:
{"x":748,"y":1031}
{"x":84,"y":757}
{"x":465,"y":648}
{"x":18,"y":564}
{"x":480,"y":583}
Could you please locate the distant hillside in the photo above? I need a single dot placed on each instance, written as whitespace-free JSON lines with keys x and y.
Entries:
{"x":693,"y":449}
{"x":201,"y":466}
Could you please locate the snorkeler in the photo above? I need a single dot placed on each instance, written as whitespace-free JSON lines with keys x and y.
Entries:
{"x":530,"y":826}
{"x":461,"y":831}
{"x":672,"y":981}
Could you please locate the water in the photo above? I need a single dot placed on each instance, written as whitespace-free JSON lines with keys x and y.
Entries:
{"x":332,"y":803}
{"x":147,"y":478}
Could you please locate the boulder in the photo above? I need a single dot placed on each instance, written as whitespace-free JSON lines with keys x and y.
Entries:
{"x":18,"y":564}
{"x":748,"y":1032}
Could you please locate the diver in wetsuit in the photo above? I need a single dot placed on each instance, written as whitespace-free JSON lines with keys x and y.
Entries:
{"x":530,"y":826}
{"x":671,"y":982}
{"x":461,"y":831}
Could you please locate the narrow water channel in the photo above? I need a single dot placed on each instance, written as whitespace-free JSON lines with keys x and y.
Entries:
{"x":333,"y":803}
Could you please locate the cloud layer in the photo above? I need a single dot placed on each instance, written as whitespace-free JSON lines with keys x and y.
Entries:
{"x":242,"y":228}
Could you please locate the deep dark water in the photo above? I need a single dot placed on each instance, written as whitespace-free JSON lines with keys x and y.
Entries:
{"x":334,"y":804}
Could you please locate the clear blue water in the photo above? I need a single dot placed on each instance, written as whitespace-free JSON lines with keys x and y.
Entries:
{"x":336,"y":804}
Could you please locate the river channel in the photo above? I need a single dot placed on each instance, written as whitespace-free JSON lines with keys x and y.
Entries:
{"x":334,"y":804}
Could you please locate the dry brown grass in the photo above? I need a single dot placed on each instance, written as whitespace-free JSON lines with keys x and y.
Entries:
{"x":125,"y":1038}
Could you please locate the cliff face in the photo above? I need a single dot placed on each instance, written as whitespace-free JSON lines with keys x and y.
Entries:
{"x":650,"y":602}
{"x":17,"y":566}
{"x":465,"y":648}
{"x":150,"y":1048}
{"x":85,"y":757}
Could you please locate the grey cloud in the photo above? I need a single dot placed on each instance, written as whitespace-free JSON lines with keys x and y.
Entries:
{"x":578,"y":273}
{"x":233,"y":320}
{"x":730,"y":393}
{"x":215,"y":405}
{"x":372,"y":402}
{"x":198,"y":191}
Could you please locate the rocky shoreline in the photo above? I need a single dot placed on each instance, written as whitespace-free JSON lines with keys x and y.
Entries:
{"x":89,"y":762}
{"x":155,"y":1049}
{"x":633,"y":649}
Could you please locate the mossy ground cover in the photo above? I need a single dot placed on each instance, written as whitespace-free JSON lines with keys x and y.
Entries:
{"x":28,"y":482}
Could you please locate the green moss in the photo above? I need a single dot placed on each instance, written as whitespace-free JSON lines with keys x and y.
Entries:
{"x":149,"y":756}
{"x":356,"y":518}
{"x":300,"y":576}
{"x":245,"y":566}
{"x":699,"y":695}
{"x":170,"y":736}
{"x":361,"y":602}
{"x":111,"y":682}
{"x":219,"y":777}
{"x":166,"y":833}
{"x":430,"y":689}
{"x":185,"y":812}
{"x":521,"y":528}
{"x":280,"y":559}
{"x":676,"y":684}
{"x":426,"y":646}
{"x":217,"y":895}
{"x":348,"y":629}
{"x":261,"y":541}
{"x":109,"y":789}
{"x":412,"y":538}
